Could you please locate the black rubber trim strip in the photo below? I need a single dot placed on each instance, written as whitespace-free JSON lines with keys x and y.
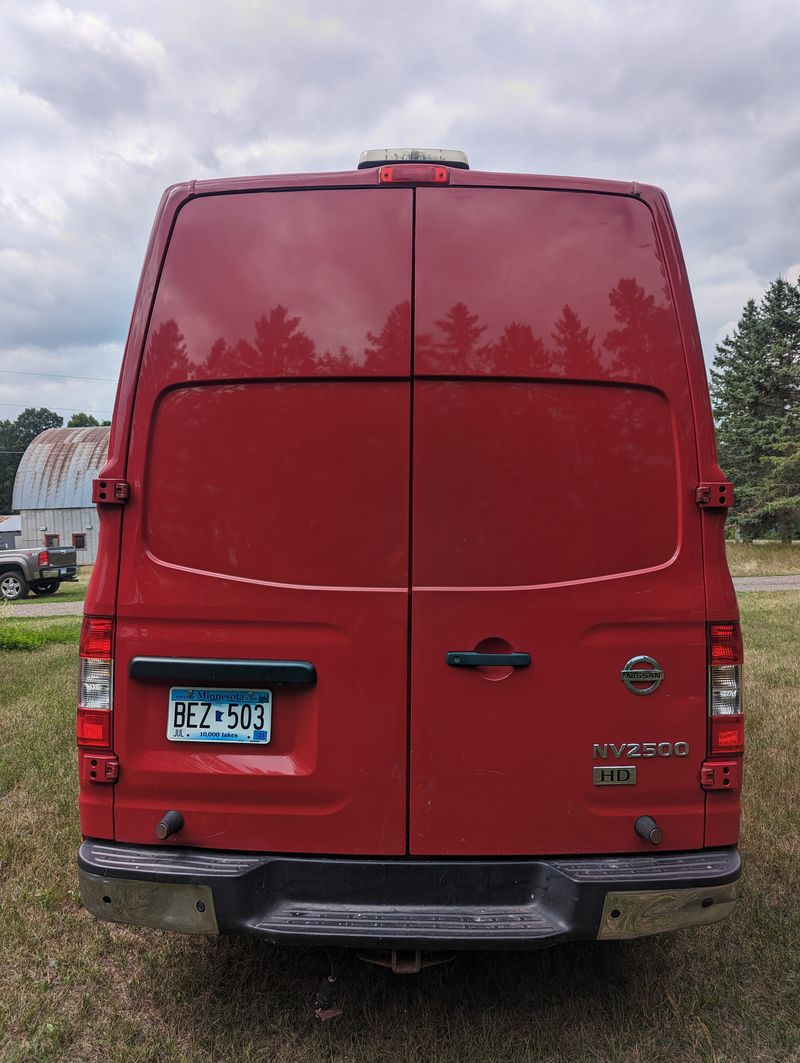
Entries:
{"x":471,"y":659}
{"x":204,"y":670}
{"x":373,"y":164}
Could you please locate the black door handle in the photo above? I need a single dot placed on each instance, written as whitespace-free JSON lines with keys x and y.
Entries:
{"x":471,"y":659}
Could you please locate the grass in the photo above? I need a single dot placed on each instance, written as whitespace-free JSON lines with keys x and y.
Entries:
{"x":26,"y":633}
{"x":72,"y":988}
{"x":764,"y":559}
{"x":67,"y":592}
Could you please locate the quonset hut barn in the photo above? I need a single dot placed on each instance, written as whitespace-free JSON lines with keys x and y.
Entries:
{"x":53,"y":489}
{"x":10,"y":527}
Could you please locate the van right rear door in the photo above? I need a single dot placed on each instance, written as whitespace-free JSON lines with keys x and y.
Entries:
{"x":553,"y":511}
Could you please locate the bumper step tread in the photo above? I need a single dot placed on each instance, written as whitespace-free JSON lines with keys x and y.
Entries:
{"x":663,"y":868}
{"x":415,"y":922}
{"x":143,"y":862}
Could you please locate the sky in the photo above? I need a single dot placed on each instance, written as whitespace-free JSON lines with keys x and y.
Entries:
{"x":104,"y":104}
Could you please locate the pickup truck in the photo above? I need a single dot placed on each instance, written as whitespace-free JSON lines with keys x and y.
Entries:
{"x":41,"y":571}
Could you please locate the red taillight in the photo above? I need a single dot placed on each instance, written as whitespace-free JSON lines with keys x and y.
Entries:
{"x":44,"y":557}
{"x":727,"y":735}
{"x":725,"y":644}
{"x":726,"y":719}
{"x":97,"y":636}
{"x":724,"y":669}
{"x":95,"y":687}
{"x":413,"y":174}
{"x":94,"y":728}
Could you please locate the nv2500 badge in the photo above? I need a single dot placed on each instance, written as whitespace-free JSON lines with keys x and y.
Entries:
{"x":602,"y":750}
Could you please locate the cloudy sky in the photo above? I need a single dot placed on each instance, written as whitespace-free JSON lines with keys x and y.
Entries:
{"x":103,"y":104}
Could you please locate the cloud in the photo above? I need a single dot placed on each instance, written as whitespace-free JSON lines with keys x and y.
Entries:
{"x":103,"y":104}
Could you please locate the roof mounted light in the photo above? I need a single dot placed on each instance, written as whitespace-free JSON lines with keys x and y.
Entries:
{"x":380,"y":156}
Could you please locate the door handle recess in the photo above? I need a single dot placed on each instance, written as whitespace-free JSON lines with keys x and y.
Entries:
{"x":471,"y":659}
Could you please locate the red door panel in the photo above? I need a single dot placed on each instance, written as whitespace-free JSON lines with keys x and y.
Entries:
{"x":268,"y":519}
{"x":553,"y":515}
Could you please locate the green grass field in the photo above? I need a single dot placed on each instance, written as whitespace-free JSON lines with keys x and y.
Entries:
{"x":764,"y":559}
{"x":75,"y":989}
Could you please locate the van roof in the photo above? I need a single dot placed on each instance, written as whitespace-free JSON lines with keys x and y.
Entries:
{"x":369,"y":178}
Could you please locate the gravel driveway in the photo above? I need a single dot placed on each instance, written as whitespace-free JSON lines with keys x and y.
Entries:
{"x":43,"y":609}
{"x":767,"y":583}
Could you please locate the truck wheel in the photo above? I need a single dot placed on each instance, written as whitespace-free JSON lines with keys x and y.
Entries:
{"x":46,"y":586}
{"x":13,"y":587}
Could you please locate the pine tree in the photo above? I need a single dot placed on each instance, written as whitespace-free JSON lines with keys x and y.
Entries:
{"x":780,"y":503}
{"x":755,"y":389}
{"x":574,"y":345}
{"x":391,"y":345}
{"x":461,"y":336}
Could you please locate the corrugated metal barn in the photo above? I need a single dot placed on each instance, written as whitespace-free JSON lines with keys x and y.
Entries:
{"x":53,"y":489}
{"x":10,"y":528}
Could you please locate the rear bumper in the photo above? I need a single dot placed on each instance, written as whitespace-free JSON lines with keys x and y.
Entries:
{"x":404,"y":904}
{"x":65,"y":572}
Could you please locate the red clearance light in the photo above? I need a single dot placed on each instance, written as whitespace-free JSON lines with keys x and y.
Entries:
{"x":411,"y":174}
{"x":44,"y":557}
{"x":94,"y":728}
{"x":725,"y":644}
{"x":727,"y":735}
{"x":97,"y":636}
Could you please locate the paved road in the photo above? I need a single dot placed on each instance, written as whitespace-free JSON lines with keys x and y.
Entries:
{"x":767,"y":583}
{"x":43,"y":609}
{"x":49,"y":608}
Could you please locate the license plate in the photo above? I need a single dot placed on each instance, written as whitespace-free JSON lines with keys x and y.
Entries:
{"x":214,"y":714}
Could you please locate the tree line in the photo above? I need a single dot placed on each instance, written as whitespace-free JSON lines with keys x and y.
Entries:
{"x":755,"y":394}
{"x":15,"y":436}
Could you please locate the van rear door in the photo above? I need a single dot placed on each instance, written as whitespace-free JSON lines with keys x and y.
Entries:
{"x":553,"y":481}
{"x":268,"y":520}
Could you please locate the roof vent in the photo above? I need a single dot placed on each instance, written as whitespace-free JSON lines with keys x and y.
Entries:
{"x":380,"y":156}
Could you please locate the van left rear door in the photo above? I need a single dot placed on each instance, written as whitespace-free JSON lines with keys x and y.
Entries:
{"x":268,"y":520}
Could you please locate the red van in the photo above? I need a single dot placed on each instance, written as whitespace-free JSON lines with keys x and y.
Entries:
{"x":411,"y":626}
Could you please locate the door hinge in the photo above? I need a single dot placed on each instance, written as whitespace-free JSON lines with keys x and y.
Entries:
{"x":720,"y":774}
{"x":99,"y":767}
{"x":110,"y":492}
{"x":714,"y":495}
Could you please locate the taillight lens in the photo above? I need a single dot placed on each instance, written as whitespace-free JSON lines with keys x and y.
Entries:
{"x":727,"y":735}
{"x":725,"y":669}
{"x":44,"y":557}
{"x":95,"y":688}
{"x":94,"y":728}
{"x":97,"y":637}
{"x":726,"y":720}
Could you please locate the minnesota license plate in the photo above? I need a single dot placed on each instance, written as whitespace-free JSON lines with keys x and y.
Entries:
{"x":214,"y":714}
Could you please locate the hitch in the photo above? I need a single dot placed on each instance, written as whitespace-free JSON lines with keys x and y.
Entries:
{"x":406,"y":961}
